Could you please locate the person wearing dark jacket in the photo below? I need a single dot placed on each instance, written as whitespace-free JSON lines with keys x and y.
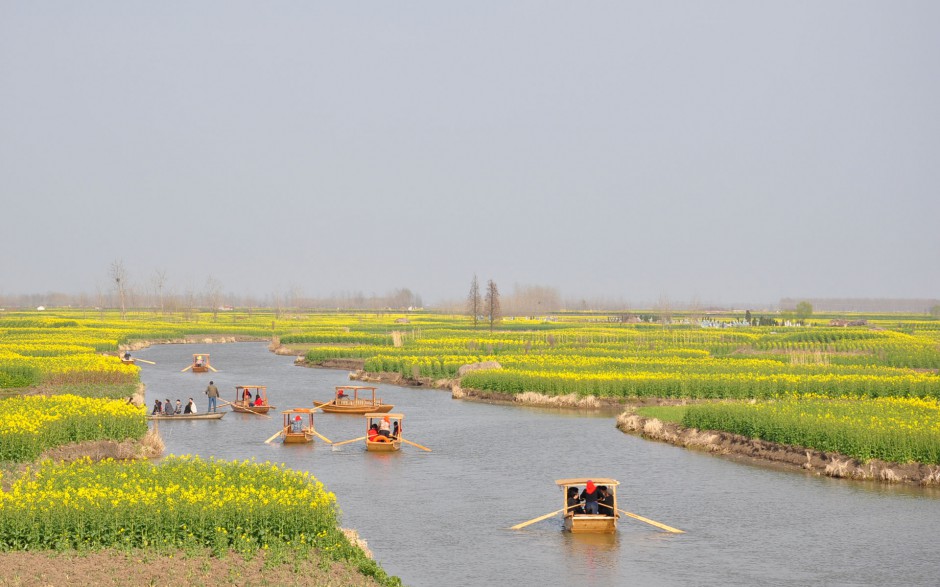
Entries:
{"x":606,"y":502}
{"x":590,"y":495}
{"x":573,"y":503}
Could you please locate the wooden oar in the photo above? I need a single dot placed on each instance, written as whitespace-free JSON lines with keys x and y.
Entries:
{"x":254,"y":412}
{"x":279,"y":432}
{"x":186,"y":369}
{"x":538,"y":519}
{"x":416,"y":444}
{"x":219,"y":405}
{"x":327,"y":440}
{"x":144,"y":361}
{"x":214,"y":370}
{"x":652,"y":522}
{"x":332,"y":401}
{"x":348,"y":441}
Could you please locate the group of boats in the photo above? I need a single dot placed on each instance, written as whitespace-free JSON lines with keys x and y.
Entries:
{"x":384,"y":433}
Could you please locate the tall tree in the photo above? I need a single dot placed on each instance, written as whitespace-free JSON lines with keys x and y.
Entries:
{"x":119,"y":276}
{"x":474,"y":302}
{"x":491,"y":301}
{"x":159,"y":282}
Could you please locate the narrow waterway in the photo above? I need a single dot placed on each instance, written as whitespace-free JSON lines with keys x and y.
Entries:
{"x":441,"y":518}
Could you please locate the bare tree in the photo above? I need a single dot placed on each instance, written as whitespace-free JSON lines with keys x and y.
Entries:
{"x":119,"y":276}
{"x":214,"y":296}
{"x":474,"y":302}
{"x":491,"y":300}
{"x":158,"y":281}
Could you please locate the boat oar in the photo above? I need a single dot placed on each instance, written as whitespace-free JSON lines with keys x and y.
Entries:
{"x":279,"y":432}
{"x":324,"y":438}
{"x":652,"y":522}
{"x":214,"y":370}
{"x":348,"y":441}
{"x":416,"y":444}
{"x":186,"y":369}
{"x":538,"y":519}
{"x":332,"y":401}
{"x":144,"y":361}
{"x":254,"y":412}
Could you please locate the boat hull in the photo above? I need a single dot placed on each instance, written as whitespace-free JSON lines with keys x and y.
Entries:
{"x":297,"y":438}
{"x":383,"y":446}
{"x":591,"y":524}
{"x":209,"y":416}
{"x":202,"y":369}
{"x":239,"y":407}
{"x":360,"y":408}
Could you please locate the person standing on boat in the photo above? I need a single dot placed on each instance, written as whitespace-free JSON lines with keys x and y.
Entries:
{"x":590,"y":495}
{"x":213,"y":392}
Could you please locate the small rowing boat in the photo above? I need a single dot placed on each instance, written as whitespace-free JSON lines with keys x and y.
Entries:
{"x":354,"y":399}
{"x":206,"y":416}
{"x":247,"y":402}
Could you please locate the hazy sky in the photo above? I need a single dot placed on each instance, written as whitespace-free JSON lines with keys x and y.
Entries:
{"x":715,"y":151}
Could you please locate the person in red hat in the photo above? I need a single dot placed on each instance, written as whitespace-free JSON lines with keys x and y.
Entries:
{"x":590,"y":495}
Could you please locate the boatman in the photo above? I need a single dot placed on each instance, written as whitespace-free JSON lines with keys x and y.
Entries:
{"x":213,"y":392}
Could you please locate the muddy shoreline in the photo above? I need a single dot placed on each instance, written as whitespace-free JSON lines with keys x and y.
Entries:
{"x":795,"y":458}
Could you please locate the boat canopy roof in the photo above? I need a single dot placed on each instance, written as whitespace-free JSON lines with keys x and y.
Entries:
{"x":298,"y":411}
{"x":250,"y":387}
{"x":382,"y":415}
{"x":584,"y":480}
{"x":354,"y":387}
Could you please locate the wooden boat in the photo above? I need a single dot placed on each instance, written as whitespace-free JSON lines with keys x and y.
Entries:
{"x":206,"y":416}
{"x":243,"y":405}
{"x":356,"y":401}
{"x":381,"y":443}
{"x":130,"y":361}
{"x":599,"y":523}
{"x":295,"y":432}
{"x":200,"y":364}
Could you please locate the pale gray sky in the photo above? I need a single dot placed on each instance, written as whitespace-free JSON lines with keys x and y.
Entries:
{"x":717,"y":151}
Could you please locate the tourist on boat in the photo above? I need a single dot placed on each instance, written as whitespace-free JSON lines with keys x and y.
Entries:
{"x":179,"y":407}
{"x":190,"y":407}
{"x":384,"y":427}
{"x":199,"y":361}
{"x":258,"y":400}
{"x":246,"y":397}
{"x":213,"y":392}
{"x":590,"y":495}
{"x":341,"y":395}
{"x":127,"y":356}
{"x":168,"y":407}
{"x":606,"y":502}
{"x":395,"y":430}
{"x":373,"y":432}
{"x":157,"y":408}
{"x":297,"y":426}
{"x":573,"y":503}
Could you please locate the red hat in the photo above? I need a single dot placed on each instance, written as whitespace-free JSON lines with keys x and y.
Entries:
{"x":590,"y":486}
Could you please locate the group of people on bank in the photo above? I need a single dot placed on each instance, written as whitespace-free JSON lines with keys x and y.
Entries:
{"x":168,"y":408}
{"x":594,"y":499}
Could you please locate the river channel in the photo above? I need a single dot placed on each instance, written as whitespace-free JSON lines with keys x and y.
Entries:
{"x":441,"y":518}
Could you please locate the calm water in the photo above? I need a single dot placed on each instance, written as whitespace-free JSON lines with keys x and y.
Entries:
{"x":440,"y":518}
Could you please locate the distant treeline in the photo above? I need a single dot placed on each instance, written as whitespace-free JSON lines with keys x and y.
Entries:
{"x":864,"y":305}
